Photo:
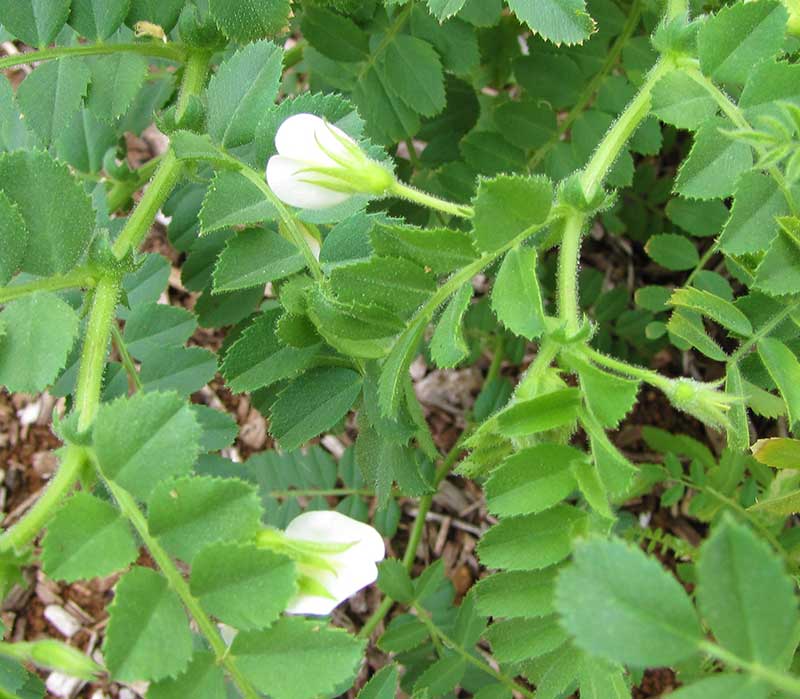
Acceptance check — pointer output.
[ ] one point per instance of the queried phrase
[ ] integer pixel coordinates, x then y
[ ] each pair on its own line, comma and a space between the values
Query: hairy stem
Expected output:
568, 259
125, 356
122, 190
417, 196
79, 277
194, 79
131, 512
23, 532
155, 49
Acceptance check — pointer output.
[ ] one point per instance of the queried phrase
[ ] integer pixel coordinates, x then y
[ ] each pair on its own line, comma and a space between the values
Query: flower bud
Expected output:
702, 400
336, 556
53, 655
318, 165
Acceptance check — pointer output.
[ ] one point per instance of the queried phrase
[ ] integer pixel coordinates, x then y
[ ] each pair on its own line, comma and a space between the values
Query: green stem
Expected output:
647, 375
614, 141
296, 233
25, 531
139, 222
594, 84
417, 196
122, 190
133, 514
415, 536
775, 678
95, 348
763, 331
568, 259
125, 356
445, 640
79, 277
529, 384
150, 48
707, 255
497, 359
194, 79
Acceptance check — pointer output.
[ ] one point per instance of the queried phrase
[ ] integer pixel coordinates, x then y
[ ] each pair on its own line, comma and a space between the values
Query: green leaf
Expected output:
507, 205
533, 541
246, 20
559, 21
203, 679
545, 412
405, 632
98, 19
142, 440
448, 346
697, 217
784, 368
13, 239
489, 153
717, 309
336, 36
244, 87
768, 85
382, 685
395, 284
514, 640
164, 13
155, 325
778, 452
394, 372
516, 297
255, 257
191, 513
532, 480
779, 271
443, 250
756, 206
39, 332
87, 538
681, 101
258, 358
394, 581
738, 37
218, 429
233, 200
243, 586
738, 431
36, 22
444, 9
313, 404
52, 94
723, 686
601, 680
413, 71
621, 605
527, 124
609, 397
517, 594
183, 370
689, 327
85, 141
56, 211
274, 659
441, 676
715, 162
116, 81
746, 597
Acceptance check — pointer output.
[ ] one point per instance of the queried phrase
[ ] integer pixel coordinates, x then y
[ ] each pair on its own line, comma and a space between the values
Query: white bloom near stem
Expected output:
342, 561
318, 165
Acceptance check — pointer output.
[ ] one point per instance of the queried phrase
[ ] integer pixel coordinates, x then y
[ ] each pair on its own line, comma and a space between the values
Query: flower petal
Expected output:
353, 573
285, 179
306, 137
331, 527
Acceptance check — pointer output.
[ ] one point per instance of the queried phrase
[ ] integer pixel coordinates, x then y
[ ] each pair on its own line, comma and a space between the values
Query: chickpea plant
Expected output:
338, 174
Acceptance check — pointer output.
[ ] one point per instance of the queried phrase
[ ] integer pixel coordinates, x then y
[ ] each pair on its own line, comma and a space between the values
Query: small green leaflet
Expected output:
680, 101
778, 273
448, 346
244, 87
246, 20
242, 585
756, 206
190, 513
145, 611
218, 428
559, 21
40, 330
609, 397
183, 370
739, 36
394, 581
274, 659
154, 325
87, 538
778, 452
52, 94
13, 239
746, 596
688, 326
724, 686
413, 69
441, 675
714, 163
515, 640
619, 604
383, 685
338, 37
517, 594
784, 368
516, 297
507, 206
116, 80
441, 249
717, 309
142, 440
164, 13
36, 22
98, 19
203, 679
233, 200
545, 412
444, 9
313, 404
255, 257
395, 368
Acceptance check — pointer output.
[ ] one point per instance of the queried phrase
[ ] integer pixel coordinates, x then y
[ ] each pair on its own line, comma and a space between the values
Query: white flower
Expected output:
318, 165
350, 551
